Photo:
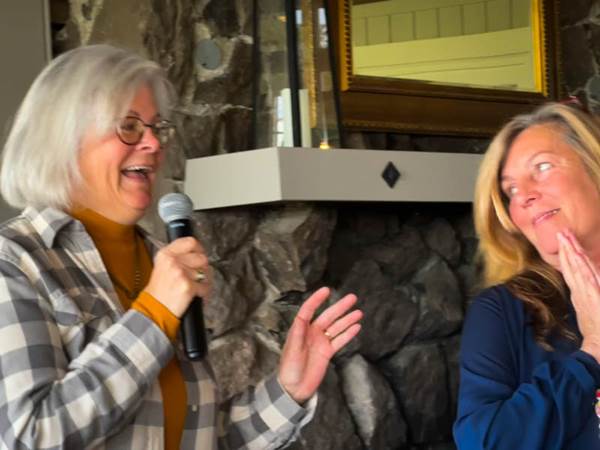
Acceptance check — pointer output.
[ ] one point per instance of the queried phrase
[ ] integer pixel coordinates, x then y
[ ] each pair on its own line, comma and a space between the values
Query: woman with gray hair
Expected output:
530, 351
90, 304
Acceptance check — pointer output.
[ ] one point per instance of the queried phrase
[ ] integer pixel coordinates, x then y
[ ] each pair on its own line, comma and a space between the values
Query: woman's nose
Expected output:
527, 194
149, 141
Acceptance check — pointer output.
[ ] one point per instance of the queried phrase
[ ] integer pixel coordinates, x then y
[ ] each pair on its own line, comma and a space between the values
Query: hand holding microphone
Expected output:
175, 280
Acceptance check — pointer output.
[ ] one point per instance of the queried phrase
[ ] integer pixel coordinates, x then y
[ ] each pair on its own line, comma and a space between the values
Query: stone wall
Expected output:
412, 265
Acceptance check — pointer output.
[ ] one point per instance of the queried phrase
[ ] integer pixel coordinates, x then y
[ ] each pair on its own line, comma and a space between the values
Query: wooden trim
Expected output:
376, 103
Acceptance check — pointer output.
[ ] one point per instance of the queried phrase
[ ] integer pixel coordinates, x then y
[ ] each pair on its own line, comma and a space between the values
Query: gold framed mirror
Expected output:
400, 66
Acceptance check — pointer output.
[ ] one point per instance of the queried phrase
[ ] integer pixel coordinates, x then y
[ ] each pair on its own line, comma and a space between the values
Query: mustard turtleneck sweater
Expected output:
123, 250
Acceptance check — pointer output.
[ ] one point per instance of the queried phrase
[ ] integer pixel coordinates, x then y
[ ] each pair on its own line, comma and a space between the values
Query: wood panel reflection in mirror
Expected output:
444, 66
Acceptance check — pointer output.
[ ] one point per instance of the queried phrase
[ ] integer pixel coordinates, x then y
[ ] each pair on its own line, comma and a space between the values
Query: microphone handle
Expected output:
193, 332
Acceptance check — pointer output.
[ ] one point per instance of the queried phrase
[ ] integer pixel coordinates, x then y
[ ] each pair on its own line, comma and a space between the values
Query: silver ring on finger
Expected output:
200, 276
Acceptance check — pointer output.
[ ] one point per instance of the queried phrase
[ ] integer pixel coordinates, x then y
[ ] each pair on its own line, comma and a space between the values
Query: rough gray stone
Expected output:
574, 11
399, 256
223, 17
417, 374
592, 93
169, 39
581, 6
439, 300
389, 313
342, 256
198, 130
205, 130
469, 278
238, 292
226, 231
593, 32
441, 238
332, 427
577, 56
447, 144
232, 82
451, 349
465, 230
348, 242
239, 359
464, 226
237, 129
175, 160
292, 245
469, 250
373, 405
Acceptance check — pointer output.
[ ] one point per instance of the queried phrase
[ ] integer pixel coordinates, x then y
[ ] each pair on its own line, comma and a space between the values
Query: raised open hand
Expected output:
310, 345
583, 279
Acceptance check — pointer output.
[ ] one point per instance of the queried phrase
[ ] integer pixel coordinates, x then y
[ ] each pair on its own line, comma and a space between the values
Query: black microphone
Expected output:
175, 210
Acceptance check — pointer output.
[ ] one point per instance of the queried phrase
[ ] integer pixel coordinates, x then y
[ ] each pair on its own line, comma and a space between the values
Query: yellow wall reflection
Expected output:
476, 43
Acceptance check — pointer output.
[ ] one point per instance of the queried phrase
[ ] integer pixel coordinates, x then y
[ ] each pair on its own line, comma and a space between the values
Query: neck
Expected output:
103, 227
129, 217
120, 251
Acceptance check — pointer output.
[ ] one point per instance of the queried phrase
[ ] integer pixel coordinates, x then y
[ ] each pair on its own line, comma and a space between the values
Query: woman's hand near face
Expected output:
173, 281
583, 279
310, 345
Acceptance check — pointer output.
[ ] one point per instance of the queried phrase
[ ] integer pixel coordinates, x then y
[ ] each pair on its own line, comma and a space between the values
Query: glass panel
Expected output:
272, 78
311, 89
317, 95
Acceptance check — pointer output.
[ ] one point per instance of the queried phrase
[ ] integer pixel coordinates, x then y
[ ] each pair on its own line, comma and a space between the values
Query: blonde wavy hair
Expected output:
507, 256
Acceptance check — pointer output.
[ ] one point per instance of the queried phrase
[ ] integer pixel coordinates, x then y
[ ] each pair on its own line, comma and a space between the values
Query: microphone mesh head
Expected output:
175, 206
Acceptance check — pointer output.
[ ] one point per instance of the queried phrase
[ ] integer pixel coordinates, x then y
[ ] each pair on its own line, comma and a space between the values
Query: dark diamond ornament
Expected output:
390, 174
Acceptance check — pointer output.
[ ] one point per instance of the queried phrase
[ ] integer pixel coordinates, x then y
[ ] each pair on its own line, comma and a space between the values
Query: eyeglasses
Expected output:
131, 129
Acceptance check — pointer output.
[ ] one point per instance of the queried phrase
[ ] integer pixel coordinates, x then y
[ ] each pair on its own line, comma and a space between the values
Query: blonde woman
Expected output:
530, 352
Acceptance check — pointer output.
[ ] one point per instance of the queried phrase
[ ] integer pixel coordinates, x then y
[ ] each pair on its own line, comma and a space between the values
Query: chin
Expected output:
139, 203
553, 260
138, 213
548, 250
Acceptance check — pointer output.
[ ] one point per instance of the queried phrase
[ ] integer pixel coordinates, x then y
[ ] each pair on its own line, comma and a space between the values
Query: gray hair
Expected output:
84, 89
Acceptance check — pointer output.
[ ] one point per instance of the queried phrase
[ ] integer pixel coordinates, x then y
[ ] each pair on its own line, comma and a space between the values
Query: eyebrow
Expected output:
133, 112
536, 154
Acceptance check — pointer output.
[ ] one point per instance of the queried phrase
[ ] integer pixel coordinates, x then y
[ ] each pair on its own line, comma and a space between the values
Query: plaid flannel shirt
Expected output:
77, 371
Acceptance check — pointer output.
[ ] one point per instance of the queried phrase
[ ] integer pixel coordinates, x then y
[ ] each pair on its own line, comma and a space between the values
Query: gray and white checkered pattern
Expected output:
77, 371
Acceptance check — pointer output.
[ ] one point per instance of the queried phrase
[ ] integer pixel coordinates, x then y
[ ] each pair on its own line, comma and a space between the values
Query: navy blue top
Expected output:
513, 394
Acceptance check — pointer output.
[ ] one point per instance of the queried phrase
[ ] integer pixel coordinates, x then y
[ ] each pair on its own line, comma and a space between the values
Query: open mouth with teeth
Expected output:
137, 172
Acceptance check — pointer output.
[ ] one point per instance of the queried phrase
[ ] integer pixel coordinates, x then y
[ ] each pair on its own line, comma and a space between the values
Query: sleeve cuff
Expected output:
158, 313
277, 408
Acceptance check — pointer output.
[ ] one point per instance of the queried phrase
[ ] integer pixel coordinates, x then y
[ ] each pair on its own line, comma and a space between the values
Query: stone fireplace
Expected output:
411, 264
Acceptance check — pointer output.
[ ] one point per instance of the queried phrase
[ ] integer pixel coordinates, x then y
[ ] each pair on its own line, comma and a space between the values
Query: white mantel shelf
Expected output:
303, 174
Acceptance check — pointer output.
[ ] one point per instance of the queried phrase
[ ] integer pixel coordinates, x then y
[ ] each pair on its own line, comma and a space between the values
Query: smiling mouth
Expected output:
544, 216
137, 172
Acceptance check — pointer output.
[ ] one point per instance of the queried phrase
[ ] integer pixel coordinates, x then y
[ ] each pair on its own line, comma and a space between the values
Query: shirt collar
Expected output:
49, 222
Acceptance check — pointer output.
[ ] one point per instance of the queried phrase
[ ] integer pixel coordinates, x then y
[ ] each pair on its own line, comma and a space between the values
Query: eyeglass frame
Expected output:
162, 124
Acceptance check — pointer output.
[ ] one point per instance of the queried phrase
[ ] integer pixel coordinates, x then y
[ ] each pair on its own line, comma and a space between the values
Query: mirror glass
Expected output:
473, 43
